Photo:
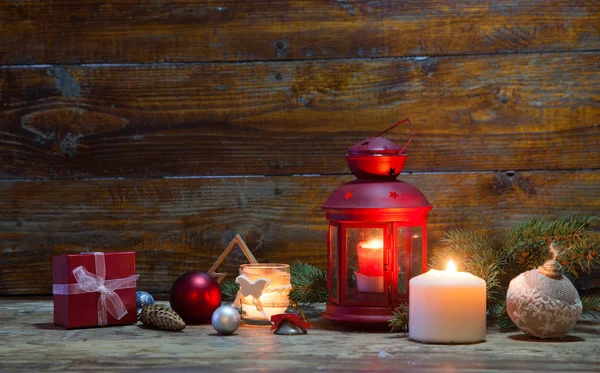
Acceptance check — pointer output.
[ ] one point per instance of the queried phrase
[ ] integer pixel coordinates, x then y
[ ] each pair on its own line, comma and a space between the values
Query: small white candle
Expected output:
447, 307
369, 277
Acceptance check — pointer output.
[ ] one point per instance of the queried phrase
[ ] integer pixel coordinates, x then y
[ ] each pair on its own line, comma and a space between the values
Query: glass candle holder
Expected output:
274, 298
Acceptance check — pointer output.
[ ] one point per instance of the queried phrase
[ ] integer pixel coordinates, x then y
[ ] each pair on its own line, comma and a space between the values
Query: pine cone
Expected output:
162, 317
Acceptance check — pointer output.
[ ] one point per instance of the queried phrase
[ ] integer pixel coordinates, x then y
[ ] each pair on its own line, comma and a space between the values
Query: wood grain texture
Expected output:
74, 31
589, 283
30, 342
176, 225
509, 112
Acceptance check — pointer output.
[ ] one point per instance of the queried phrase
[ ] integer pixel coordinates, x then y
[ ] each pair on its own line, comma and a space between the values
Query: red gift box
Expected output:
94, 289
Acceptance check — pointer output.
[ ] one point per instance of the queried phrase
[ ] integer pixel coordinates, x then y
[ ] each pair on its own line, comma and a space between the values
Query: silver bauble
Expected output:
226, 320
143, 299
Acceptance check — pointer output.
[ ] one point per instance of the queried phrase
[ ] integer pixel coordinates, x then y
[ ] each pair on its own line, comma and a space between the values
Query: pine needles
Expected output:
400, 321
591, 306
499, 313
229, 290
309, 284
528, 244
476, 253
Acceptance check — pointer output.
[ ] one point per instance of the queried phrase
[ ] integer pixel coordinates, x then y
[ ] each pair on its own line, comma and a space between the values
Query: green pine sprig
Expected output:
476, 253
528, 244
591, 307
229, 290
309, 284
499, 313
400, 321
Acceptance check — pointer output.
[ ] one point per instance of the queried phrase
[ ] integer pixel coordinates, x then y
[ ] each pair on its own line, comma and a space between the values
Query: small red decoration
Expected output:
393, 195
195, 296
348, 195
291, 317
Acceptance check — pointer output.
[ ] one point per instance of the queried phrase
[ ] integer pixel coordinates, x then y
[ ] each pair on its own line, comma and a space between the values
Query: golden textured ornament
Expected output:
543, 303
162, 317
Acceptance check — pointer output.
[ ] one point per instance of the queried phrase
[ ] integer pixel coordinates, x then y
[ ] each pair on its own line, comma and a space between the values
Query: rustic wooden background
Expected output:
166, 127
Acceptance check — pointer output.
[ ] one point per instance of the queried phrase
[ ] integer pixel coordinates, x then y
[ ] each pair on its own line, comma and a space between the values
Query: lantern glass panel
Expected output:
334, 264
403, 250
416, 250
365, 263
409, 244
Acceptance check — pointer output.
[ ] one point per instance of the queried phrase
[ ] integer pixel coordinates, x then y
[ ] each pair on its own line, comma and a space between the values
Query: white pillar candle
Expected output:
447, 307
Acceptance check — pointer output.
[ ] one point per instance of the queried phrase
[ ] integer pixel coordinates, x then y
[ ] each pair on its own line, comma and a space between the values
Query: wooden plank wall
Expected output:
166, 127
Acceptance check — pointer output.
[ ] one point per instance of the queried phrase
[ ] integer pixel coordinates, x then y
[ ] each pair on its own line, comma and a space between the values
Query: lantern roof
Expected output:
377, 194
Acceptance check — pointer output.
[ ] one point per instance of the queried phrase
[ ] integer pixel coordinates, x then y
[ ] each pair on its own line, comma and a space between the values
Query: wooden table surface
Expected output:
30, 342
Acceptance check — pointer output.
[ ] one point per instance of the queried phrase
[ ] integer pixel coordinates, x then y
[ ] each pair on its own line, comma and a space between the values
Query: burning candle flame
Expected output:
373, 244
451, 267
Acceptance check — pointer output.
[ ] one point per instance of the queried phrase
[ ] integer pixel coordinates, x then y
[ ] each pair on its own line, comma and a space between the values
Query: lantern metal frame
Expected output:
376, 200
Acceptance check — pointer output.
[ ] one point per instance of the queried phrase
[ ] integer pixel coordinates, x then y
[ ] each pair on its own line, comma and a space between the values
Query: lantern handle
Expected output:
412, 133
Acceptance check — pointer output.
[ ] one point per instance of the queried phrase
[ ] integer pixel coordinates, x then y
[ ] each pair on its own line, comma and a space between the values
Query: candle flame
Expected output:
451, 267
373, 243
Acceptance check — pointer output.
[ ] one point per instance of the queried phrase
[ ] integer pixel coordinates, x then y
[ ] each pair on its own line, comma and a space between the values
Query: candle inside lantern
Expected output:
264, 291
447, 307
369, 278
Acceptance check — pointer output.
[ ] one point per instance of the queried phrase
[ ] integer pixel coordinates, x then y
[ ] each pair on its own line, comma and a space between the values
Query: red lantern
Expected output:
377, 234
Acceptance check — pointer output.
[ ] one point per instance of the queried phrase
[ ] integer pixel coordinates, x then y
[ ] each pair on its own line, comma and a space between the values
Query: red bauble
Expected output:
195, 296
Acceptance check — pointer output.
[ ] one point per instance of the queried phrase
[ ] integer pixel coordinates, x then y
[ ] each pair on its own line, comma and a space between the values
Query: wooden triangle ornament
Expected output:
240, 242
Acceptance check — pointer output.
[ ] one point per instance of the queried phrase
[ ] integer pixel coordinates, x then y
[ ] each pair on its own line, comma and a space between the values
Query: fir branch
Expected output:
229, 290
580, 257
461, 245
591, 306
500, 314
570, 228
477, 253
528, 243
309, 284
490, 272
400, 321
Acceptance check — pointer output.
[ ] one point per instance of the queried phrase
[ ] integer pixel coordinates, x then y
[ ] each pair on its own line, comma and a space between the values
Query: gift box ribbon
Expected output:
88, 282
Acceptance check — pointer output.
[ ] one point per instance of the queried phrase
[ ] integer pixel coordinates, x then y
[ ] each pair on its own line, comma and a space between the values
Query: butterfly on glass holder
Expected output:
251, 288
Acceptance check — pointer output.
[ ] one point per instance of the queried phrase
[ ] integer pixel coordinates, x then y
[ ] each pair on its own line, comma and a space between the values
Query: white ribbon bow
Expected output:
88, 282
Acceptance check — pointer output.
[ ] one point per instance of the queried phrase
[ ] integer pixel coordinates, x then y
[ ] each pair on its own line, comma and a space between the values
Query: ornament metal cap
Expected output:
552, 269
288, 328
289, 324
